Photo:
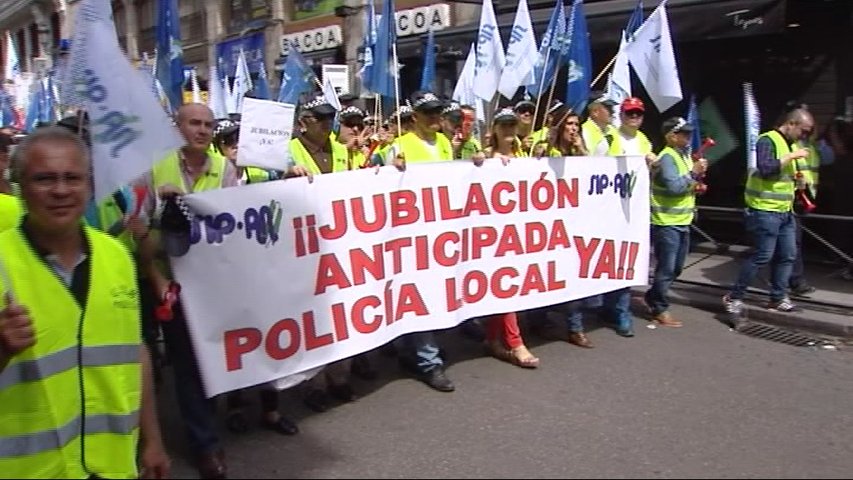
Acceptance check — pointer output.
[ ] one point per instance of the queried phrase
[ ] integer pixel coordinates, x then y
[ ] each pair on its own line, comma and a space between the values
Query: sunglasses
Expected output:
634, 113
353, 124
523, 110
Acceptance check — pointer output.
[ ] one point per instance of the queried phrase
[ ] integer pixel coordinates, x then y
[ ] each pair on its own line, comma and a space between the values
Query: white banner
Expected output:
290, 275
265, 130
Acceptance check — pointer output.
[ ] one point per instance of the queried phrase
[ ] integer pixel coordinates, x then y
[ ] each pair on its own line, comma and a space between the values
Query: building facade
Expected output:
327, 32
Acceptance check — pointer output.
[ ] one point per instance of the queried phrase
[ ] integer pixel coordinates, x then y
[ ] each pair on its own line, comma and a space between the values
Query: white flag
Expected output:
130, 131
753, 126
242, 81
653, 59
12, 68
216, 94
464, 90
521, 53
490, 54
619, 81
330, 93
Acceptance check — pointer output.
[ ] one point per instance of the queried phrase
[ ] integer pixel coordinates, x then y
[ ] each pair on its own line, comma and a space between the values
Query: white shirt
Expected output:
630, 145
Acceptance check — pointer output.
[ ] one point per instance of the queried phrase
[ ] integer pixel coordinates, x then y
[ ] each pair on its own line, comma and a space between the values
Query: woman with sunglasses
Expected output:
503, 337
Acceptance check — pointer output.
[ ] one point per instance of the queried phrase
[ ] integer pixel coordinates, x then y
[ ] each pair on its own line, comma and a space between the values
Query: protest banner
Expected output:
265, 130
285, 276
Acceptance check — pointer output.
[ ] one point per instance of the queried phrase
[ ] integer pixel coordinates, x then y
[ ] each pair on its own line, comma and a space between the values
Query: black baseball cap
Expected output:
676, 125
423, 101
319, 106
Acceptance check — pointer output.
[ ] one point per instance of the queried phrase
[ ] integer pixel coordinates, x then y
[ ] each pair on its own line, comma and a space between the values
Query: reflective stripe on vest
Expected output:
773, 194
58, 362
616, 147
416, 150
168, 171
39, 442
300, 156
71, 410
671, 209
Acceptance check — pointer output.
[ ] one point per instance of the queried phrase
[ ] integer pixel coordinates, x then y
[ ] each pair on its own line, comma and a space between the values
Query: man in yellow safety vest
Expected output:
76, 387
769, 215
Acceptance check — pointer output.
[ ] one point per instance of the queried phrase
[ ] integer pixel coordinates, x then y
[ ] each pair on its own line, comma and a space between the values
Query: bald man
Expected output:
769, 216
192, 168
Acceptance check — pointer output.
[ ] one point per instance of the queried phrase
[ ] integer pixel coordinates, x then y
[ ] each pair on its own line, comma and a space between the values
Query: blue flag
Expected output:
262, 86
693, 119
34, 109
170, 55
580, 60
296, 78
7, 113
634, 21
428, 73
368, 44
384, 72
48, 106
550, 49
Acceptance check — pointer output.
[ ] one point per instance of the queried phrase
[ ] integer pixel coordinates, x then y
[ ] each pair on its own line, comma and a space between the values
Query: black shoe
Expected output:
803, 290
316, 400
342, 392
362, 367
283, 425
437, 379
235, 422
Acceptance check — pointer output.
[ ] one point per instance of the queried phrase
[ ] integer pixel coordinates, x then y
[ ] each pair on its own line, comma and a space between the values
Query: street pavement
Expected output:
700, 401
708, 275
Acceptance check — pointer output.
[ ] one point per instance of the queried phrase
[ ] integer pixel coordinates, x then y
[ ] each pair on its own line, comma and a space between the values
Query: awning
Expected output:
689, 20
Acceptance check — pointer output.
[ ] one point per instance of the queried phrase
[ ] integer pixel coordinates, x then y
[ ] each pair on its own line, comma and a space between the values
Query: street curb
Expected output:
806, 320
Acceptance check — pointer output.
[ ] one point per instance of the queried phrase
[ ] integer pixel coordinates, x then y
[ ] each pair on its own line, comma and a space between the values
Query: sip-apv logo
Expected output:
259, 223
622, 184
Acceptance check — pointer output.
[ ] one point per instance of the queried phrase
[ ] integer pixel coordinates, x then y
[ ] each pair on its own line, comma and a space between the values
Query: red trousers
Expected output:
505, 327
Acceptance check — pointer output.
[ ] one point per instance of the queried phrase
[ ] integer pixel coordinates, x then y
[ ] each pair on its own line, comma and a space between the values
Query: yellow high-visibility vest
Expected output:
773, 194
670, 209
71, 402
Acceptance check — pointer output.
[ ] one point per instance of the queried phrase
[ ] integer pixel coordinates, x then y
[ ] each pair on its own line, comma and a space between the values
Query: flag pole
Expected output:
397, 88
539, 96
604, 70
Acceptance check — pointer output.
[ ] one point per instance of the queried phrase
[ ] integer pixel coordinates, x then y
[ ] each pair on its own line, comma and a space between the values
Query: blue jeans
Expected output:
422, 349
798, 268
671, 244
616, 305
198, 412
774, 238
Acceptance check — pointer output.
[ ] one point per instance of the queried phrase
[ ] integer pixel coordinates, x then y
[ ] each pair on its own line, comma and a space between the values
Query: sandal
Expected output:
519, 356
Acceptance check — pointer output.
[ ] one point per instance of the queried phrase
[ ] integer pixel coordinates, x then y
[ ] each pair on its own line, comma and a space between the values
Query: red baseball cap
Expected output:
633, 103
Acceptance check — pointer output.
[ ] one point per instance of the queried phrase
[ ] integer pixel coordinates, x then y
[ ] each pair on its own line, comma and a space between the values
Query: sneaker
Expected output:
734, 306
803, 290
785, 306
